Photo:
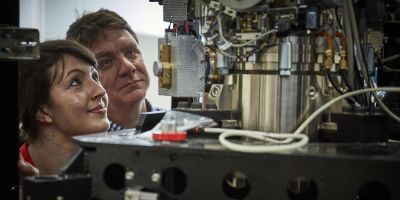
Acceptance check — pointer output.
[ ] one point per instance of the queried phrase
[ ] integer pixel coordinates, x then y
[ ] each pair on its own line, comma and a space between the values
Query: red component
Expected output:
171, 136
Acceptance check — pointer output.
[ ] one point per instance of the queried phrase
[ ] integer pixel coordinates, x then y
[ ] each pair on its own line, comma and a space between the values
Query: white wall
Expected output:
53, 17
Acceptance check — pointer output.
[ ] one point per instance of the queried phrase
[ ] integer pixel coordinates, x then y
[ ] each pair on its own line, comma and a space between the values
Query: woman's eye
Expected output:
76, 82
95, 77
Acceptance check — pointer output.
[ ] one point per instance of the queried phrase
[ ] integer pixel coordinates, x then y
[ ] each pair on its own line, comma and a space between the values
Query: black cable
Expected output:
261, 47
367, 79
384, 67
358, 84
208, 68
329, 76
347, 83
337, 19
349, 100
345, 80
360, 54
256, 50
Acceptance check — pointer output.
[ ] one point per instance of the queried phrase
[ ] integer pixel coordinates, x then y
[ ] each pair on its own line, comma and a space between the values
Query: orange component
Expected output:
342, 39
328, 39
170, 136
329, 50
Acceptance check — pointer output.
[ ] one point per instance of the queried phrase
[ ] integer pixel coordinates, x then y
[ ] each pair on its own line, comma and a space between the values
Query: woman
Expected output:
122, 69
60, 97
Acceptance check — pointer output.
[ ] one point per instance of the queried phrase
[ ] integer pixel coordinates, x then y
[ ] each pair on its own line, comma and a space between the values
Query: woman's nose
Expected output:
99, 91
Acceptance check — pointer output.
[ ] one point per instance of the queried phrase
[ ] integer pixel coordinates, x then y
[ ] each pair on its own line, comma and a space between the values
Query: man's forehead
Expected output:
105, 47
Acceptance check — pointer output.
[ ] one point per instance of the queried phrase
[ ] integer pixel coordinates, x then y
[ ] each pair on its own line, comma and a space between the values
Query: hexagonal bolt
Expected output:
129, 175
155, 177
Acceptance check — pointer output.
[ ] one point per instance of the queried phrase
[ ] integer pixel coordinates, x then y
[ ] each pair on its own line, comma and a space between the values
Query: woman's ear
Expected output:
43, 115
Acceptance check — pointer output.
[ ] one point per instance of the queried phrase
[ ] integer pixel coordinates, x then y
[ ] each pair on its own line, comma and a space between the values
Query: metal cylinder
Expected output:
275, 102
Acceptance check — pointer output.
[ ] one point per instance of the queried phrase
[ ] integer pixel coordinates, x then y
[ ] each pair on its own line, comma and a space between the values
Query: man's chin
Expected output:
134, 97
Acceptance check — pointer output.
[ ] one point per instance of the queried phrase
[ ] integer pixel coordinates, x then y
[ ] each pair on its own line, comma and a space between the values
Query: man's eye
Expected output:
132, 53
106, 63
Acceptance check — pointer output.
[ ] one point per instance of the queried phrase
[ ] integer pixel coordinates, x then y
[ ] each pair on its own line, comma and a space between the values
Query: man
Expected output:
122, 70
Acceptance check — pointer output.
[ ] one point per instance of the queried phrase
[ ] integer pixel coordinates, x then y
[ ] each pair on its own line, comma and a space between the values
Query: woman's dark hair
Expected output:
87, 28
37, 77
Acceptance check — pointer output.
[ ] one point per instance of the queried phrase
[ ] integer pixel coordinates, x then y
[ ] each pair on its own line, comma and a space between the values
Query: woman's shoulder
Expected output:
23, 150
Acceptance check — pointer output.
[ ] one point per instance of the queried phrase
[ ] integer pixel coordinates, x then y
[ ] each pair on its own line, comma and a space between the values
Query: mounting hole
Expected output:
173, 180
312, 92
236, 185
373, 190
114, 176
302, 188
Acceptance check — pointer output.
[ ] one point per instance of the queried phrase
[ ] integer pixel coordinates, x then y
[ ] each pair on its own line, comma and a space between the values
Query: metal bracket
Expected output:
19, 43
136, 194
285, 58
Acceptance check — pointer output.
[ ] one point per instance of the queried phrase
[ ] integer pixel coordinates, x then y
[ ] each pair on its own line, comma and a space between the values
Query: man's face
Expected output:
122, 70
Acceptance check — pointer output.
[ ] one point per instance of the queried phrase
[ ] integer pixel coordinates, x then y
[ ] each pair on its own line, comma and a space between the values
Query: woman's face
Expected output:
78, 102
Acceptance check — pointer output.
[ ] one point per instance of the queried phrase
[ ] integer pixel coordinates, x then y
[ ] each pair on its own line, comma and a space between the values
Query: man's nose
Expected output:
126, 66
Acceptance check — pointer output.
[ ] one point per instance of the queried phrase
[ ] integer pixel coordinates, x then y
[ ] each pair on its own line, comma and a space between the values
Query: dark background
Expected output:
9, 16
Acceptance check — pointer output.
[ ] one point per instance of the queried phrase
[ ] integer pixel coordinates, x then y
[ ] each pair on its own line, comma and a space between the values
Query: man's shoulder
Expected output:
157, 108
154, 108
114, 126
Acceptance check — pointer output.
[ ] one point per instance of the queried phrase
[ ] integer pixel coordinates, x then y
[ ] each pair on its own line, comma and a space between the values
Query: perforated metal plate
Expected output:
174, 10
188, 71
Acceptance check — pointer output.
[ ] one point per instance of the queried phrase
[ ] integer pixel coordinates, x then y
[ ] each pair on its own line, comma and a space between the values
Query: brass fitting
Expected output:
343, 60
328, 59
165, 53
164, 81
165, 78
